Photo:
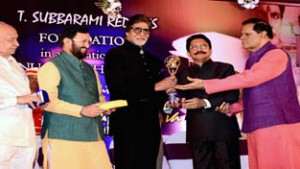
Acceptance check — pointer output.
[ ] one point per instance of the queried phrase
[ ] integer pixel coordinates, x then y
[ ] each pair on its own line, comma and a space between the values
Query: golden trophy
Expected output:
172, 63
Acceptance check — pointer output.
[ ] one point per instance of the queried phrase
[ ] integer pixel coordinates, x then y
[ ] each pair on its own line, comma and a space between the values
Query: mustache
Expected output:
200, 52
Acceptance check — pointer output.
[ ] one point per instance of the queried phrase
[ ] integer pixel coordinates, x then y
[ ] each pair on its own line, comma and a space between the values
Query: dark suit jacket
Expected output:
207, 124
132, 76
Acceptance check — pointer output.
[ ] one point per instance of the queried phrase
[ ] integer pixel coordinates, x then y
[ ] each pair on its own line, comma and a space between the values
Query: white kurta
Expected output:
16, 122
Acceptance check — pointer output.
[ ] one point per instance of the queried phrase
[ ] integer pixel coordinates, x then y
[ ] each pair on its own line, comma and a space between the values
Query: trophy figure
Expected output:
172, 63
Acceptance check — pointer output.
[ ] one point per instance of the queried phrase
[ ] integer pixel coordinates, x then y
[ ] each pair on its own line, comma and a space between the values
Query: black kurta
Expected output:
131, 75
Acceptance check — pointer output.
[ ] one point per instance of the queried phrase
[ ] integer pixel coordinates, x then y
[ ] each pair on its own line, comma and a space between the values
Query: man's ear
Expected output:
263, 34
67, 42
189, 55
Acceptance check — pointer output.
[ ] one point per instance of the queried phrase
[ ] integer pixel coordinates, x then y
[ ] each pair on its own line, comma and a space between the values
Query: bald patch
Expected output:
8, 40
6, 29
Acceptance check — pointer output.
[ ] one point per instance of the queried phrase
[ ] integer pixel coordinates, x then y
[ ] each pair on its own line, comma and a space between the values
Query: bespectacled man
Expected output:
134, 74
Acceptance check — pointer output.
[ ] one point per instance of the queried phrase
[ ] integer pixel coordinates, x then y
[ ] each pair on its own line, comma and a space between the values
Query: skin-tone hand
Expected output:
29, 99
194, 84
170, 90
223, 108
93, 110
194, 103
166, 83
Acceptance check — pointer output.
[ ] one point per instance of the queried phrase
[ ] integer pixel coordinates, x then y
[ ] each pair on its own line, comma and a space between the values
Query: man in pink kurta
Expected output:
271, 108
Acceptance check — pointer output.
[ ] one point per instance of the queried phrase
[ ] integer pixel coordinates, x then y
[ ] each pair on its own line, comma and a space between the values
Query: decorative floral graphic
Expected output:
111, 8
248, 4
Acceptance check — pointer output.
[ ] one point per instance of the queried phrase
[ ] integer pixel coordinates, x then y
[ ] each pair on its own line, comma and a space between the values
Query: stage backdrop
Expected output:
39, 22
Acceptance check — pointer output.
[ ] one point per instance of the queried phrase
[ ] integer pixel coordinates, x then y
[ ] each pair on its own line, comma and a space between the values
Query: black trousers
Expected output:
136, 151
216, 154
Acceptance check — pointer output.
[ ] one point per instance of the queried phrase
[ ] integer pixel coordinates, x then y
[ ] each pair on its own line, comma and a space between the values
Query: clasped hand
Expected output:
194, 103
30, 99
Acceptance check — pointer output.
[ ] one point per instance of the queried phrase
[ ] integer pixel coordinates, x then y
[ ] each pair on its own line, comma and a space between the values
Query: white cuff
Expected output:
208, 105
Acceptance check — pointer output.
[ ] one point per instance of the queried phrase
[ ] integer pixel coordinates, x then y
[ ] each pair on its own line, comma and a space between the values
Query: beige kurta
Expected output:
64, 154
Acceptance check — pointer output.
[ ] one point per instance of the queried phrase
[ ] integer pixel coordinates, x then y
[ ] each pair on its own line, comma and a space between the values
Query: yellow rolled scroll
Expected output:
113, 104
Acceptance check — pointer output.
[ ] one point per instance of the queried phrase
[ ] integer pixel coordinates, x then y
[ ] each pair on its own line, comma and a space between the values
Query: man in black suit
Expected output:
213, 136
134, 74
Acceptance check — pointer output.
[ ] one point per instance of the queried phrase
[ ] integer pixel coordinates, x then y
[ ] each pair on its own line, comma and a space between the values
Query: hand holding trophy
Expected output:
172, 63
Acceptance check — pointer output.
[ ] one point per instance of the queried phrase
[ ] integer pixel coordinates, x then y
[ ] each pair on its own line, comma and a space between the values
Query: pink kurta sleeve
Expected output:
236, 107
271, 65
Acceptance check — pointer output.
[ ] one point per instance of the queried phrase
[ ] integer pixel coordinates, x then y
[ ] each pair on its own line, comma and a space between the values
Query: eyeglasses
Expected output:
202, 46
138, 30
82, 41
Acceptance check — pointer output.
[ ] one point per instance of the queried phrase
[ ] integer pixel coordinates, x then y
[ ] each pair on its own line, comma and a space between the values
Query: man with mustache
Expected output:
213, 136
135, 75
72, 130
271, 112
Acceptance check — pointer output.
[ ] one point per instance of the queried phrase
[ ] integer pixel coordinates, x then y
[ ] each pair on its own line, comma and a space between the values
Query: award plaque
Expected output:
172, 63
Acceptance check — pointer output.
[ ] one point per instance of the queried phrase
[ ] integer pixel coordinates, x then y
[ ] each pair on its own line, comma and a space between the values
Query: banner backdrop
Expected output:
39, 22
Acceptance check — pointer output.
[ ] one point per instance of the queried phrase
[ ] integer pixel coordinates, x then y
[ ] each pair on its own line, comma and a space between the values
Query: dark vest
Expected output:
273, 102
78, 85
